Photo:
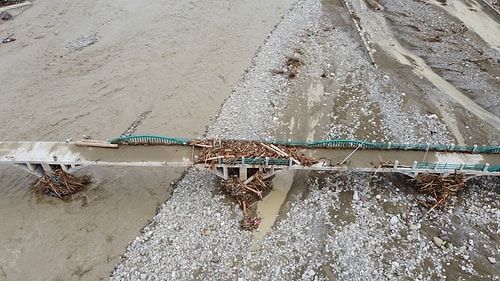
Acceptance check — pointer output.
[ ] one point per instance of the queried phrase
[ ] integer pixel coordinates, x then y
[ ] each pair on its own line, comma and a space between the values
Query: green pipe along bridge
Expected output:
330, 155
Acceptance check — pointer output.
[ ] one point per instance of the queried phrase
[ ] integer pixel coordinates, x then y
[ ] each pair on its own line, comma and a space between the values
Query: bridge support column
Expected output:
243, 173
31, 167
46, 168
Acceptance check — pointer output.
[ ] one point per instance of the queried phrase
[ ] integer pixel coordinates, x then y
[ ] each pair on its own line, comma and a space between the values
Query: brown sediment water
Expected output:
44, 238
270, 206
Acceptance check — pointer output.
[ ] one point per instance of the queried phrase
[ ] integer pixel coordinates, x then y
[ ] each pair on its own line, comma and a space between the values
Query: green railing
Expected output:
344, 144
147, 139
150, 139
403, 146
458, 167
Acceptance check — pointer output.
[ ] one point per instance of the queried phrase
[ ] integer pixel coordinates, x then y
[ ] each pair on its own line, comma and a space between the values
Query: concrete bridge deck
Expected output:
40, 157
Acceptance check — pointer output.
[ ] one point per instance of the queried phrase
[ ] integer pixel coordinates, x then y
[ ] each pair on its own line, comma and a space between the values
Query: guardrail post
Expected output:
396, 163
486, 166
290, 162
452, 147
436, 166
219, 159
414, 166
474, 148
461, 166
242, 160
389, 145
267, 161
427, 147
407, 145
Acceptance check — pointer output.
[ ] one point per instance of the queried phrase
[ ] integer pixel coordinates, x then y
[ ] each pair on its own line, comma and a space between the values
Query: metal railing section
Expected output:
149, 139
161, 140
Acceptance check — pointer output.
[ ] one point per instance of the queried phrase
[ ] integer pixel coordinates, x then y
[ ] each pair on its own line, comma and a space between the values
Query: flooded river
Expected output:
165, 68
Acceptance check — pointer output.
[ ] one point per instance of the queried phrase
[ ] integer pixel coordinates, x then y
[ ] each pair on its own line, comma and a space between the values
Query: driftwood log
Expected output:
213, 150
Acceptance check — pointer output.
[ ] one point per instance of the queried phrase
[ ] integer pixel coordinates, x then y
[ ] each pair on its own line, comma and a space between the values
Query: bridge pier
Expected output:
243, 171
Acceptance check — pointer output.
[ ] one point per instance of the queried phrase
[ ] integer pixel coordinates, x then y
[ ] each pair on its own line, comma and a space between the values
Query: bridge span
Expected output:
42, 157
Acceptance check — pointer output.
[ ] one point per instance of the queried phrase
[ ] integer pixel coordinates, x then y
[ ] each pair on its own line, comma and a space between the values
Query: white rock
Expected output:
492, 260
394, 265
394, 220
414, 227
438, 241
355, 196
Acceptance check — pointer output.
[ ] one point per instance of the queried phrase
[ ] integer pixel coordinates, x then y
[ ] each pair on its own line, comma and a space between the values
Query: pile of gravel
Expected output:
82, 42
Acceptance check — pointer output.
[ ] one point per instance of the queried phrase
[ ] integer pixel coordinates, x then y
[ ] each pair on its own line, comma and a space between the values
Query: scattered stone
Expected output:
438, 241
215, 259
355, 196
394, 220
492, 260
414, 227
4, 15
394, 265
82, 42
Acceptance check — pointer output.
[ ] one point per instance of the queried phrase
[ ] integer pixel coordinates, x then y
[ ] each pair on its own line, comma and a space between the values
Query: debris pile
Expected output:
248, 193
230, 151
439, 188
60, 184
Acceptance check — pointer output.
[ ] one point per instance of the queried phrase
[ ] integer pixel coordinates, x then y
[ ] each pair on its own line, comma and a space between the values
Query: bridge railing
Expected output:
147, 139
404, 146
161, 140
458, 167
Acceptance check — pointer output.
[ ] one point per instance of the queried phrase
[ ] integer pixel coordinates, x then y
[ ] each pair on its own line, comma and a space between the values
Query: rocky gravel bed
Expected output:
450, 48
251, 110
335, 226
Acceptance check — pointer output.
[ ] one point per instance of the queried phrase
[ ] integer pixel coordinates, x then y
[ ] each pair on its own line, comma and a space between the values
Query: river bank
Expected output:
329, 225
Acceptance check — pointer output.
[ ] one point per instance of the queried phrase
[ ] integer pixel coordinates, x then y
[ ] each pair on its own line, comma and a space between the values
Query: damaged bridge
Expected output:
245, 158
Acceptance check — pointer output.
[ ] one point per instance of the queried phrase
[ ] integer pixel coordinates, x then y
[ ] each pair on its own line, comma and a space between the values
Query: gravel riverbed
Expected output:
345, 226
